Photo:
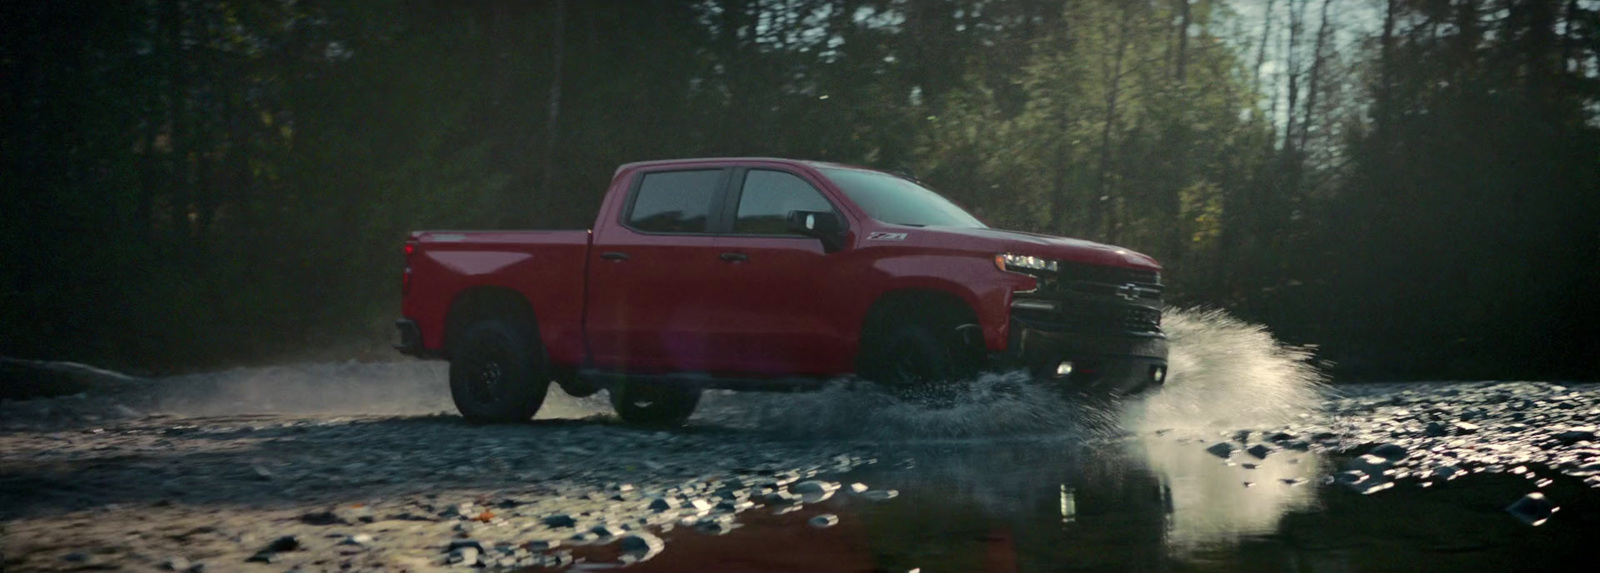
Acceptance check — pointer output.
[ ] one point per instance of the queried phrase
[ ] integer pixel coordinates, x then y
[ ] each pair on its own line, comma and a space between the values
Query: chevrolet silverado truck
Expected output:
770, 274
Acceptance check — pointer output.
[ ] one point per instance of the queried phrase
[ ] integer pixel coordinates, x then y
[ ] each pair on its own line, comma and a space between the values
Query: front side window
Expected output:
768, 198
898, 201
674, 201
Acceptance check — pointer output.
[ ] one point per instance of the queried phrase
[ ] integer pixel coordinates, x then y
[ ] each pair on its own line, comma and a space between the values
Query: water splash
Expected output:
1224, 371
1227, 373
992, 405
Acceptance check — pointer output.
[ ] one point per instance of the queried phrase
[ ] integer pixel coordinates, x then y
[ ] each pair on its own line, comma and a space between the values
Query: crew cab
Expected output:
764, 274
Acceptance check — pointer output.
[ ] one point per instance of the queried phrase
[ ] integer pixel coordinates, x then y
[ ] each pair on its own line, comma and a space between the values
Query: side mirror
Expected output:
825, 225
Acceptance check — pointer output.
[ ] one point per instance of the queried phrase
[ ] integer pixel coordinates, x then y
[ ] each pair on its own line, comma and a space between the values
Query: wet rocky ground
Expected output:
1245, 462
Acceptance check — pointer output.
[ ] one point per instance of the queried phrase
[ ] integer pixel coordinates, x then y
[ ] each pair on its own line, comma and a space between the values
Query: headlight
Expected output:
1023, 264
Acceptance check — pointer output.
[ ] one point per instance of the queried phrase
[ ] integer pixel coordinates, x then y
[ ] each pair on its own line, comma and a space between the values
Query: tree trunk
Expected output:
553, 118
1266, 34
1184, 21
1102, 200
1317, 61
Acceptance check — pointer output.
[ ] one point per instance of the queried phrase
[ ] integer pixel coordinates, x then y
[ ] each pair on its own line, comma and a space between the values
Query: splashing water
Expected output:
1227, 373
991, 405
1224, 371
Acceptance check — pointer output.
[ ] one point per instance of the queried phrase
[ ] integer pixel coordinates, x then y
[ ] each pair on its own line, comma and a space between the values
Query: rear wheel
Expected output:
498, 373
657, 404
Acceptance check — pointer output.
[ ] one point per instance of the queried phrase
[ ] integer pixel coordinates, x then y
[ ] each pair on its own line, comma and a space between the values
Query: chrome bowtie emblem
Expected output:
1128, 291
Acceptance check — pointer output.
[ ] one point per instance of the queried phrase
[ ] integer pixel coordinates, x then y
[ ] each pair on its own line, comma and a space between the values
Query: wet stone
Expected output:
662, 504
1533, 509
824, 521
559, 520
1260, 451
881, 494
813, 491
1222, 450
640, 546
1575, 435
284, 543
1390, 452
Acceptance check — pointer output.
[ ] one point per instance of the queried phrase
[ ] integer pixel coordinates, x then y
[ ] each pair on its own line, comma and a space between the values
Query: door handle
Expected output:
735, 257
614, 256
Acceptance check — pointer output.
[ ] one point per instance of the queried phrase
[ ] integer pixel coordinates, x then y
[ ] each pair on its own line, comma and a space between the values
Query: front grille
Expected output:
1078, 272
1094, 298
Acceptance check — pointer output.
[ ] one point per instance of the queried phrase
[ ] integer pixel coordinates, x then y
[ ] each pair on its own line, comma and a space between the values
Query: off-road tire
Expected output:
655, 404
498, 372
918, 361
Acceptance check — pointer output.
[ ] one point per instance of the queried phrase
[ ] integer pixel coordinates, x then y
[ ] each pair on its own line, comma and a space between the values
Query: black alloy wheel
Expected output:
498, 373
655, 403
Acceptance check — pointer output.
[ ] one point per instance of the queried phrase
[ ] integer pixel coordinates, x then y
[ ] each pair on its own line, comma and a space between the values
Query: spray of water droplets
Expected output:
1223, 371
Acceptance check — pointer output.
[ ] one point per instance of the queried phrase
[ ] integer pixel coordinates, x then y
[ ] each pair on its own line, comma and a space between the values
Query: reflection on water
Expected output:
1117, 504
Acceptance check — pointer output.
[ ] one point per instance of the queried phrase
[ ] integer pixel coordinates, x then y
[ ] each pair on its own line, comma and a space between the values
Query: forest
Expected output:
1411, 186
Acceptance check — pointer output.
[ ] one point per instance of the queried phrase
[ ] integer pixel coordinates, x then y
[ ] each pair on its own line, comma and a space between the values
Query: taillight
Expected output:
405, 277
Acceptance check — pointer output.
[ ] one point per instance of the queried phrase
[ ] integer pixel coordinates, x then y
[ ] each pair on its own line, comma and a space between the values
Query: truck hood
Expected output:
1058, 248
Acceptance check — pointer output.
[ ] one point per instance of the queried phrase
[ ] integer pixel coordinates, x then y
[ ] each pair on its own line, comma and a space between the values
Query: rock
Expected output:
1533, 509
700, 505
662, 504
559, 520
1260, 451
858, 487
542, 545
1390, 452
321, 518
285, 543
1280, 438
881, 494
1350, 478
264, 557
824, 521
360, 539
814, 491
456, 544
464, 557
1466, 428
1292, 481
782, 497
605, 530
1446, 472
1370, 464
1575, 435
1436, 430
175, 564
640, 546
1222, 450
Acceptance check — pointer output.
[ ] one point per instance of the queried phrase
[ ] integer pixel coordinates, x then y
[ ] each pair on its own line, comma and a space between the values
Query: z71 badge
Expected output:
882, 236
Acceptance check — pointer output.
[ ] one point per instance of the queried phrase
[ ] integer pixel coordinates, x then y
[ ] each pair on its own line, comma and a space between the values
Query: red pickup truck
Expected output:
762, 274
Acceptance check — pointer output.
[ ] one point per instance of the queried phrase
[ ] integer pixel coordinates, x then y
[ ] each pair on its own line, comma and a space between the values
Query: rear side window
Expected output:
767, 199
674, 201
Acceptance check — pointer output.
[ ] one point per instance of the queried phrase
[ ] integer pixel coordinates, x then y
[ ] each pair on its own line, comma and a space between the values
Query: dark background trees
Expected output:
1409, 184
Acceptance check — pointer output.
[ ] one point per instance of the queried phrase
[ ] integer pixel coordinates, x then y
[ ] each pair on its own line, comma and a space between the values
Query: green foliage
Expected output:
189, 182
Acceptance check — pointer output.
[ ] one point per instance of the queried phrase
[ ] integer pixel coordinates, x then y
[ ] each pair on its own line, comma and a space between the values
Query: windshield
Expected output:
898, 201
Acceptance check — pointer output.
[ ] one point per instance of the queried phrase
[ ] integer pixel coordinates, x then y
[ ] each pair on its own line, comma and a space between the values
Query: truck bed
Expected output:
546, 267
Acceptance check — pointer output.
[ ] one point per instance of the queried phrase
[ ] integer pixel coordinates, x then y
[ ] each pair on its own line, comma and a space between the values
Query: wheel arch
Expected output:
480, 302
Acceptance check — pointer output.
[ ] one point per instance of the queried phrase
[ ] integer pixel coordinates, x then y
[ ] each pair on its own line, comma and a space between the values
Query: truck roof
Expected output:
735, 160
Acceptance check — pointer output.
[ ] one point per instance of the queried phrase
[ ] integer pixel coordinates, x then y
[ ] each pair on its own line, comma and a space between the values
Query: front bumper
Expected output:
1107, 363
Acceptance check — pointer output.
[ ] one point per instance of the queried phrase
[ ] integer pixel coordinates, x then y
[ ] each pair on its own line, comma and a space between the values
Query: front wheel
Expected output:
918, 362
657, 404
498, 373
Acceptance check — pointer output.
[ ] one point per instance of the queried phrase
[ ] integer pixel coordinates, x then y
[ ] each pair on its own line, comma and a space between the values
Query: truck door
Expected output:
648, 309
778, 294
